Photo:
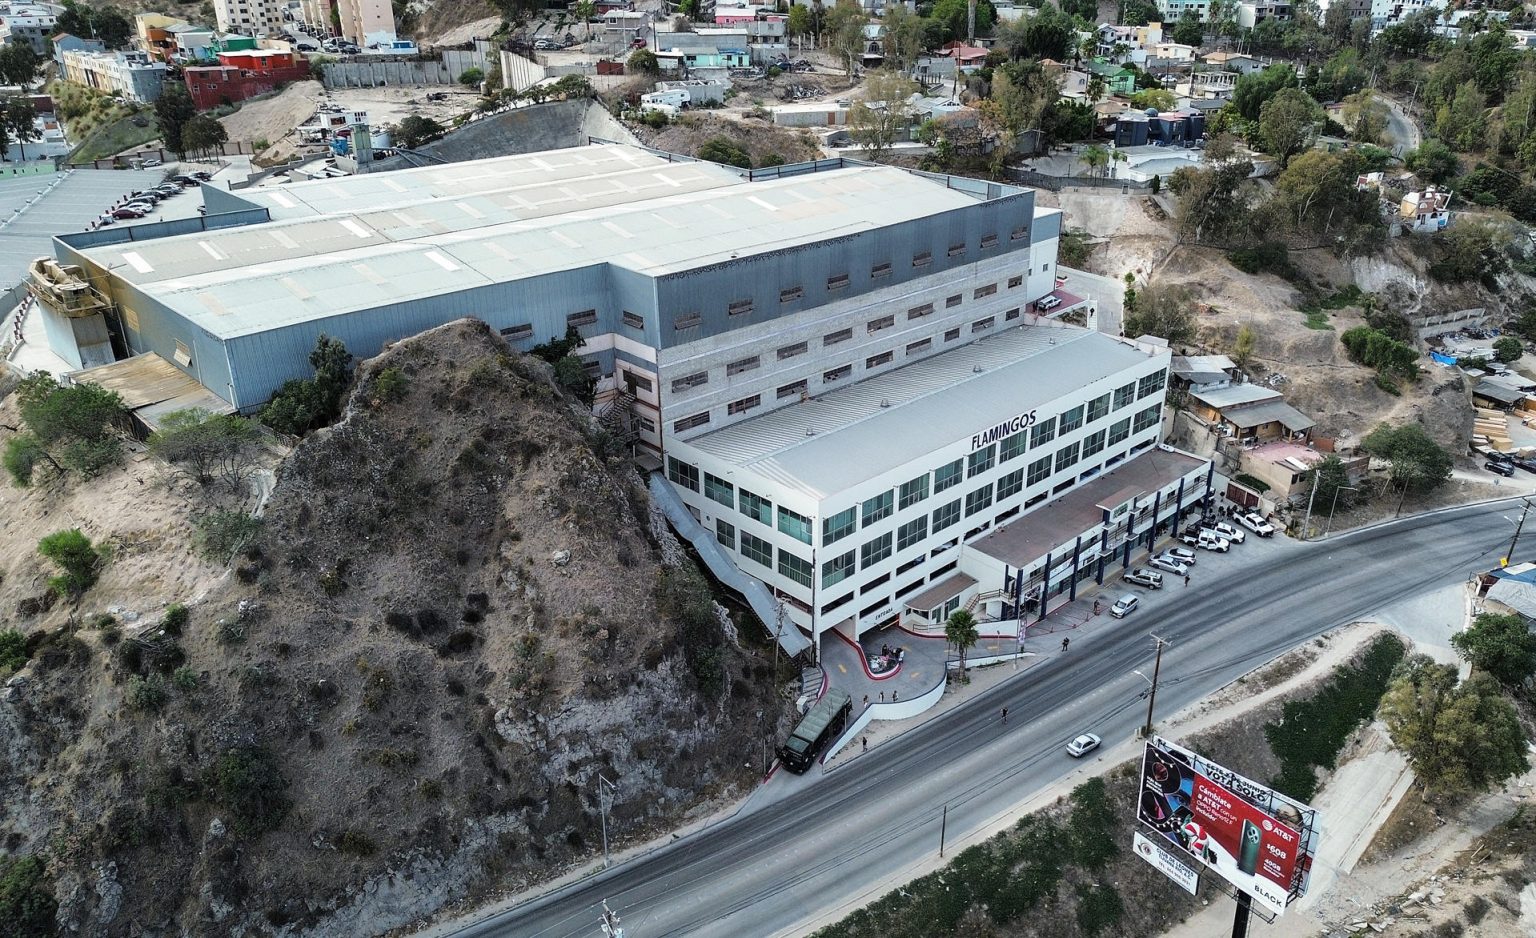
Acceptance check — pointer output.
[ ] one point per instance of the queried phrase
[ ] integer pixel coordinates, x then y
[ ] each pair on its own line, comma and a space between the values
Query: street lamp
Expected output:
1334, 504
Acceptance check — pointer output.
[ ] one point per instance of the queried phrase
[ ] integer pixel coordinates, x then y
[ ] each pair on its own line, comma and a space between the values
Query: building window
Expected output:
946, 516
519, 331
982, 325
790, 351
1013, 446
1098, 408
717, 489
837, 570
756, 507
923, 259
836, 374
955, 250
838, 282
791, 294
739, 308
879, 270
796, 525
950, 302
793, 389
981, 292
1093, 443
725, 533
745, 364
921, 345
947, 476
1039, 470
1071, 419
988, 241
1010, 484
832, 338
875, 361
912, 532
584, 318
1145, 419
884, 322
1018, 234
1015, 282
1124, 395
918, 312
980, 461
1011, 315
839, 526
690, 422
914, 491
633, 321
646, 424
755, 548
1119, 431
1043, 432
979, 500
951, 335
687, 321
1066, 456
875, 551
878, 508
1151, 384
743, 405
796, 568
695, 380
683, 474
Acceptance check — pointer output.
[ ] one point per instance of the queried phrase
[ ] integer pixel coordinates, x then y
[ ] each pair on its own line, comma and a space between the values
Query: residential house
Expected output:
1355, 9
1201, 372
1233, 62
67, 42
192, 43
1283, 466
130, 74
1251, 413
967, 57
242, 75
1509, 590
1119, 79
1208, 85
932, 70
150, 35
705, 48
1386, 13
1170, 54
1133, 40
1251, 14
367, 23
1425, 212
30, 26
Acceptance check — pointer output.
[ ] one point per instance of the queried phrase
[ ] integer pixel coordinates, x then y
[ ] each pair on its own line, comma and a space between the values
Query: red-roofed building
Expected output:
243, 74
966, 56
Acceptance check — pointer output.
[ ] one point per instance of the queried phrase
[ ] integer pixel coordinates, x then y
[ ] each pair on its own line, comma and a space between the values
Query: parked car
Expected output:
151, 163
545, 45
1499, 468
184, 180
306, 47
1047, 302
123, 214
1255, 522
1141, 576
202, 174
1164, 562
143, 208
168, 190
145, 195
1222, 529
1125, 605
1205, 539
1183, 555
1083, 745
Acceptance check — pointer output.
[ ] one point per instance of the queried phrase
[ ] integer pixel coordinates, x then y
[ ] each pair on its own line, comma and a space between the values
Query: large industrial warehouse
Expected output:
855, 376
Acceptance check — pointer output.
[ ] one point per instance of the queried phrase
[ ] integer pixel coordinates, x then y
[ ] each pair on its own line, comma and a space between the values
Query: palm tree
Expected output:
585, 10
1086, 49
1095, 156
961, 630
1096, 86
1119, 51
1117, 155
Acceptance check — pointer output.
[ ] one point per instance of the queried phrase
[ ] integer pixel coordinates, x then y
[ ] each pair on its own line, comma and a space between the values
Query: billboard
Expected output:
1167, 862
1255, 838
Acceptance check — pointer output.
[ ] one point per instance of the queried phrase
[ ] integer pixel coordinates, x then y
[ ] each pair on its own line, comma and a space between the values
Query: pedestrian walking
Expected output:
1005, 716
1095, 607
894, 696
882, 696
1065, 642
1186, 579
866, 700
866, 744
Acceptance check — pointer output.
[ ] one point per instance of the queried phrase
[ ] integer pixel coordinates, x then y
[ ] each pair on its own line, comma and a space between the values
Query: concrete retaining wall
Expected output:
373, 74
518, 72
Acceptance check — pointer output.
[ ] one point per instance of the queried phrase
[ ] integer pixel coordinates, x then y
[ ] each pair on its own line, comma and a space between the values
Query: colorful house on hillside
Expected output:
68, 42
241, 75
965, 56
1118, 78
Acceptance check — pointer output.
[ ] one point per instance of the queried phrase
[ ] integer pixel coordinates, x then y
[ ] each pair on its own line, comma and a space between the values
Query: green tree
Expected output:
1333, 488
1162, 311
1463, 121
1433, 161
903, 39
1472, 249
1095, 158
844, 29
1501, 645
799, 25
960, 630
881, 117
644, 62
27, 906
207, 445
1255, 88
173, 109
248, 782
13, 652
74, 554
1211, 205
1158, 98
19, 64
415, 130
1417, 461
1288, 123
585, 10
19, 117
1460, 738
1049, 34
1366, 116
303, 404
472, 77
203, 134
112, 27
71, 427
725, 151
952, 15
1189, 30
1242, 348
1507, 349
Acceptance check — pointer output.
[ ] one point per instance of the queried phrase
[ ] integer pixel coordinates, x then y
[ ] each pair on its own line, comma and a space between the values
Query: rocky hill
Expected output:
456, 615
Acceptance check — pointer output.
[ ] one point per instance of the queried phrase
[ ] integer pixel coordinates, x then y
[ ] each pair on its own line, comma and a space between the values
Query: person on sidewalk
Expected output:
866, 744
1186, 579
1005, 716
1065, 642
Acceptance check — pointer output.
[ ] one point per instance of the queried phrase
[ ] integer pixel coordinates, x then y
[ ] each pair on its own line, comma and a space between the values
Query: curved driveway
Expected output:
835, 845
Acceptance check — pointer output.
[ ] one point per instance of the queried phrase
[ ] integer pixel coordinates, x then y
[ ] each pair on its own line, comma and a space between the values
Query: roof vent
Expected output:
1053, 340
809, 431
884, 402
977, 369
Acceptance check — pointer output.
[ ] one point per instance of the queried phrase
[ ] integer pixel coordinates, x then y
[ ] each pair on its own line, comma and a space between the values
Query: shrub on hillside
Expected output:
75, 555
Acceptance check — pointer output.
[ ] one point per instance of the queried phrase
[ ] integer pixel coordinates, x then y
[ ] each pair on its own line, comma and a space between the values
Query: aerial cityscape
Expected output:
836, 468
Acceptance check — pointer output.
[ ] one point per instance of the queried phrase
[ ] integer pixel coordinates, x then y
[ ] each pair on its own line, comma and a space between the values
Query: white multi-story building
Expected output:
131, 74
32, 27
249, 17
1386, 13
367, 22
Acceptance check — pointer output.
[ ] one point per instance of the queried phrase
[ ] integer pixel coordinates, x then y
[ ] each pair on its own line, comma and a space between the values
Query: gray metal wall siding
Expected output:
636, 292
709, 291
159, 328
1046, 228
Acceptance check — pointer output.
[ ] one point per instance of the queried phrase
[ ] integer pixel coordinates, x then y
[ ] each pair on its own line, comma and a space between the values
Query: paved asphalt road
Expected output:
1401, 129
825, 848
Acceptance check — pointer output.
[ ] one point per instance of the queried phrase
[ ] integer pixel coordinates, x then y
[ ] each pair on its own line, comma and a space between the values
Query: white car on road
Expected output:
1255, 522
1125, 605
1183, 555
1083, 745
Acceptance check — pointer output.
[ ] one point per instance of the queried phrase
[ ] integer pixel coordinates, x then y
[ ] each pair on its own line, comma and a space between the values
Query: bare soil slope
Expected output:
404, 693
761, 140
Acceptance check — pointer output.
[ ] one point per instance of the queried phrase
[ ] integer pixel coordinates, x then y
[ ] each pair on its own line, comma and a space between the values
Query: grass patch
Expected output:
1312, 731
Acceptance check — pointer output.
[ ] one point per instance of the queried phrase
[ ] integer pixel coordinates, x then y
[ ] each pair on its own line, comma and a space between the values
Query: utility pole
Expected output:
610, 923
943, 828
1509, 556
778, 636
605, 790
1240, 920
1157, 666
1306, 526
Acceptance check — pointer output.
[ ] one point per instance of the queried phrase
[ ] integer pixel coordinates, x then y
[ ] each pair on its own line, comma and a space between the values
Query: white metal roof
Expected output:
1234, 395
390, 241
842, 438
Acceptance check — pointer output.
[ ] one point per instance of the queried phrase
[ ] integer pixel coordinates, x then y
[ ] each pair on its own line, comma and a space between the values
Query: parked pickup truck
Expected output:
1255, 522
1222, 529
1206, 540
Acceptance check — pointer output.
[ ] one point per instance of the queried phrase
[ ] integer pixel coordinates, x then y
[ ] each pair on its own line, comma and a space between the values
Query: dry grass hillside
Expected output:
759, 139
398, 697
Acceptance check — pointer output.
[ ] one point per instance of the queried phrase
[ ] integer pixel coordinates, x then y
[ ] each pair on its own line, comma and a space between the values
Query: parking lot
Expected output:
34, 208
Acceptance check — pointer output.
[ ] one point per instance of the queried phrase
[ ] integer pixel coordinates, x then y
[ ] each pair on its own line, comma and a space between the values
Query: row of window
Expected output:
761, 552
830, 376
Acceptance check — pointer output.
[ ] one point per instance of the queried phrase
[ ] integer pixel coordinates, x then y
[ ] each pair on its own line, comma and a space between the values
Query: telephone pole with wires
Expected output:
610, 923
1509, 555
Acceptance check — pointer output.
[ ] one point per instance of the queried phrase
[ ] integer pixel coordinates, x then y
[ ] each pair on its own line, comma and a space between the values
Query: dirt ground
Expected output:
273, 119
760, 140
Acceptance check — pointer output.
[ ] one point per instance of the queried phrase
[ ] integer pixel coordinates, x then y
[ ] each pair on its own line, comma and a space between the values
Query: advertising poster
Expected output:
1154, 852
1256, 839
